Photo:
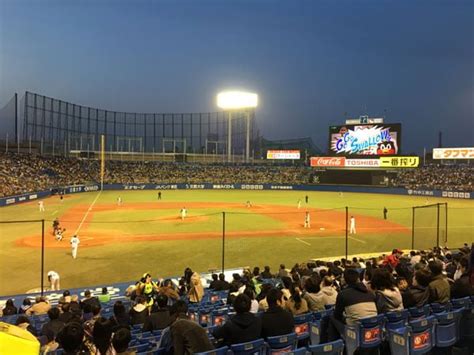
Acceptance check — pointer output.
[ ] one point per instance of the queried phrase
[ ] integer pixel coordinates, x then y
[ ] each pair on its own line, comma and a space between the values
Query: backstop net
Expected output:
430, 226
57, 125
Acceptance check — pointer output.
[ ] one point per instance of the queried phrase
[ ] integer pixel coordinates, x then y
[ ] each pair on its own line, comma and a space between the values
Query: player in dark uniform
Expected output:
159, 195
385, 211
306, 198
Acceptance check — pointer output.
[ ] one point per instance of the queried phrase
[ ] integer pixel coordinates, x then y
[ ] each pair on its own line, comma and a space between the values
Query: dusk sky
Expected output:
310, 61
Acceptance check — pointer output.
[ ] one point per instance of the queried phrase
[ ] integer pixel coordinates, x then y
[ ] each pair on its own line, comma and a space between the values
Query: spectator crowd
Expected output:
261, 303
21, 173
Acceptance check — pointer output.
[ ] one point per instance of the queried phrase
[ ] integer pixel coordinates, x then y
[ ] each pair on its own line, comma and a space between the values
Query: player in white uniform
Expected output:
353, 226
74, 245
248, 204
183, 213
41, 206
307, 220
119, 201
299, 204
53, 278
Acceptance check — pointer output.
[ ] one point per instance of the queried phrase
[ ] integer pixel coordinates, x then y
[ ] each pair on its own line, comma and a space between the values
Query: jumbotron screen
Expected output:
365, 139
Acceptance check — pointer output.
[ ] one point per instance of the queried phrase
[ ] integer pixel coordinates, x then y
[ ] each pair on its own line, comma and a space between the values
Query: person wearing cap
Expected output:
393, 259
53, 278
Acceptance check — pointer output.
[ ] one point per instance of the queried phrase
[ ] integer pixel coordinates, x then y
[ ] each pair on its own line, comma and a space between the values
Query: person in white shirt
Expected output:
183, 212
74, 245
41, 206
353, 226
53, 278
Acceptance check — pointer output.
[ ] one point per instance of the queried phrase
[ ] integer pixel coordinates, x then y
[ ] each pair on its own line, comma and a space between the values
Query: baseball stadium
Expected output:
161, 193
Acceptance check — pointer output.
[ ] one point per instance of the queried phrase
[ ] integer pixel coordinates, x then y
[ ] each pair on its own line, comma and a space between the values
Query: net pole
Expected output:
347, 235
223, 240
42, 257
446, 221
437, 225
102, 161
413, 227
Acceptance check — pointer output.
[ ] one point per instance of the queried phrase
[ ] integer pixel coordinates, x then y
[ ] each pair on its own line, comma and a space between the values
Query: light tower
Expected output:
232, 101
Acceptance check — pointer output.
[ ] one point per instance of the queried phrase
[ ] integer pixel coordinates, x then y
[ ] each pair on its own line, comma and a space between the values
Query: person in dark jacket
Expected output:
352, 303
89, 299
439, 289
139, 312
183, 336
160, 315
242, 327
120, 319
54, 324
221, 284
266, 274
276, 320
417, 294
10, 308
214, 282
462, 286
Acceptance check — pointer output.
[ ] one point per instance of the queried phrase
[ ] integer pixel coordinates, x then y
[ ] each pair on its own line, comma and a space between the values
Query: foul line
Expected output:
302, 241
358, 240
87, 213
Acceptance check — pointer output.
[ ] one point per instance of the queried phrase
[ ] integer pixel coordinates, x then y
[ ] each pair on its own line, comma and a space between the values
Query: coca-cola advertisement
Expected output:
365, 140
328, 162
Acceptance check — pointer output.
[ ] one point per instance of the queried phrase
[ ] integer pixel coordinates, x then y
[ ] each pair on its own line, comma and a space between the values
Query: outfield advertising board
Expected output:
283, 154
453, 153
381, 162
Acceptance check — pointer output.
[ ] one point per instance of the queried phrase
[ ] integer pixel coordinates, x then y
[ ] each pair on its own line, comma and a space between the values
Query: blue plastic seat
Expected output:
366, 333
416, 338
256, 347
422, 312
220, 351
141, 347
331, 348
447, 328
302, 326
282, 343
219, 317
396, 319
440, 308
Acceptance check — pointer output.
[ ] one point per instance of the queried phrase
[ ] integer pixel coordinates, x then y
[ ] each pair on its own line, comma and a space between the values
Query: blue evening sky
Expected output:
310, 61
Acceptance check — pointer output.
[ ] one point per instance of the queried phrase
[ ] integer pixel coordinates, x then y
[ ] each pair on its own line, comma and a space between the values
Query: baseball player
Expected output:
74, 245
385, 212
59, 234
41, 206
119, 201
159, 195
307, 220
248, 204
353, 226
306, 198
299, 204
53, 278
183, 213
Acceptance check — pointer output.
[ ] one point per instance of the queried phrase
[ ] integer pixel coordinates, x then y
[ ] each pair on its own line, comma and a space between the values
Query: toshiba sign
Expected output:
361, 163
328, 161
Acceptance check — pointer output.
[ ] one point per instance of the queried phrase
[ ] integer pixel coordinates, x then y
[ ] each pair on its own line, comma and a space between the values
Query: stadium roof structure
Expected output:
305, 144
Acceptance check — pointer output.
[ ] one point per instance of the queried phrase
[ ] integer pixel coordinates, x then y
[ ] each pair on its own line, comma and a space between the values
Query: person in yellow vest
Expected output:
147, 287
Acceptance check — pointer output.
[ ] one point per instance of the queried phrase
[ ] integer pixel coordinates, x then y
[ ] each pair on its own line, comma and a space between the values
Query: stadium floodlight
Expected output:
237, 100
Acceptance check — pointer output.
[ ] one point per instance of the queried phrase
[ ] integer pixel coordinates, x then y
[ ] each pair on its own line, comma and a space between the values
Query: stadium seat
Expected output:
332, 348
366, 333
302, 326
396, 319
416, 338
416, 313
220, 351
219, 317
447, 328
440, 308
282, 343
319, 327
256, 347
140, 347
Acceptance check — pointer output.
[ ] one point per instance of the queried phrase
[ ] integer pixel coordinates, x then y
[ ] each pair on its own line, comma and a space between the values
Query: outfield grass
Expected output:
131, 254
